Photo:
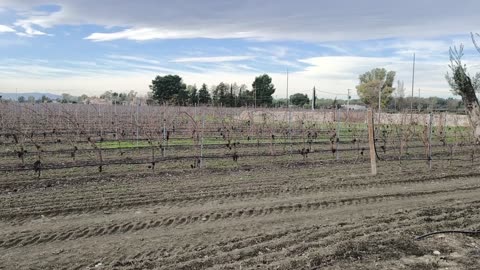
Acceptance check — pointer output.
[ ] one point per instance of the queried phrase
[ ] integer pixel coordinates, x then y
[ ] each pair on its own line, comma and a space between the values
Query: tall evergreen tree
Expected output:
220, 94
193, 94
263, 90
204, 95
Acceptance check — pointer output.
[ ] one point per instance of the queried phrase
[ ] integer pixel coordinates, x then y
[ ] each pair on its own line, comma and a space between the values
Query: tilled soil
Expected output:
303, 216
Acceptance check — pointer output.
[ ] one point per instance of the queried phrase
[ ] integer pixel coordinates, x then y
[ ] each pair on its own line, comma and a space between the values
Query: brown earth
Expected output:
302, 215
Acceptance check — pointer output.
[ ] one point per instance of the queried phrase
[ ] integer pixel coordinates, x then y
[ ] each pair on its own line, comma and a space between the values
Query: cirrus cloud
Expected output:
310, 20
212, 59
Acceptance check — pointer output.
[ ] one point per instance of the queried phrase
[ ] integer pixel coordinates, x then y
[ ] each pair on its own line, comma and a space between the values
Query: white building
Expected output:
354, 107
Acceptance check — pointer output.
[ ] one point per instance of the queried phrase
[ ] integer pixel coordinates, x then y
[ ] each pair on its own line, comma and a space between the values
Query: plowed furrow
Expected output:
227, 214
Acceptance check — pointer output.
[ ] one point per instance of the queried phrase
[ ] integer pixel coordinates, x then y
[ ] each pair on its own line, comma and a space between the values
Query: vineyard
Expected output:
158, 187
52, 137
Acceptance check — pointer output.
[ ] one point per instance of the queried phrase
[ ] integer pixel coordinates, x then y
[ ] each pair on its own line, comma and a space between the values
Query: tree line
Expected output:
171, 89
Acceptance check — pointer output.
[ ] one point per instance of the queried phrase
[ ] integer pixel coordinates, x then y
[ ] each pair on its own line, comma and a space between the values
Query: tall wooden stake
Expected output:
430, 128
337, 133
371, 142
164, 137
201, 141
136, 121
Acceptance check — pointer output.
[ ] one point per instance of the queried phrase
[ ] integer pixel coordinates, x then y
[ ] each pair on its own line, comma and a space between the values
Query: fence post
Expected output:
201, 141
371, 142
337, 139
136, 122
430, 128
290, 130
164, 138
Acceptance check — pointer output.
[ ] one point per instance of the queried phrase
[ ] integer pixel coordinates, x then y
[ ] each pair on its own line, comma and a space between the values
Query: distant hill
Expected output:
36, 95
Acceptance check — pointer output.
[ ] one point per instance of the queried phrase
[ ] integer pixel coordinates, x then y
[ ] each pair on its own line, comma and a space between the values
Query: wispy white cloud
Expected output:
337, 73
6, 29
36, 69
336, 48
132, 34
276, 55
334, 74
29, 31
312, 20
121, 65
142, 34
426, 48
135, 59
277, 51
248, 67
343, 66
213, 59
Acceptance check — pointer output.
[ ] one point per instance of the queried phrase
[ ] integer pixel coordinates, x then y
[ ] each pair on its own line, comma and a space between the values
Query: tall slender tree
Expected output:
203, 95
220, 94
193, 94
462, 84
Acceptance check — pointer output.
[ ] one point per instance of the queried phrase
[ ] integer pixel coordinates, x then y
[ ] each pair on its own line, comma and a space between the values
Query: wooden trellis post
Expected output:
337, 133
430, 128
371, 142
164, 138
201, 142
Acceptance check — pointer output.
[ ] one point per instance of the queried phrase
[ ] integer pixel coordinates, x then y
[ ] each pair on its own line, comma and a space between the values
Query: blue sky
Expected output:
92, 46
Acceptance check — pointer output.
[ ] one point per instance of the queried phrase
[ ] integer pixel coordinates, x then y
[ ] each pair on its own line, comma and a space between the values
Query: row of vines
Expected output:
39, 137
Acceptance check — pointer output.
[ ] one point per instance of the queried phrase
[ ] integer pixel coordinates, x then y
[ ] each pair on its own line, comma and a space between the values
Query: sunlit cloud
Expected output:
6, 29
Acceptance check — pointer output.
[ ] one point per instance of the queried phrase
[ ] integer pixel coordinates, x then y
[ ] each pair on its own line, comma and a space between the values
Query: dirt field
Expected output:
290, 215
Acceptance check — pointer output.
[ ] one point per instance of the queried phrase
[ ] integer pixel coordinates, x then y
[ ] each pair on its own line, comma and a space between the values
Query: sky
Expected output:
88, 47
